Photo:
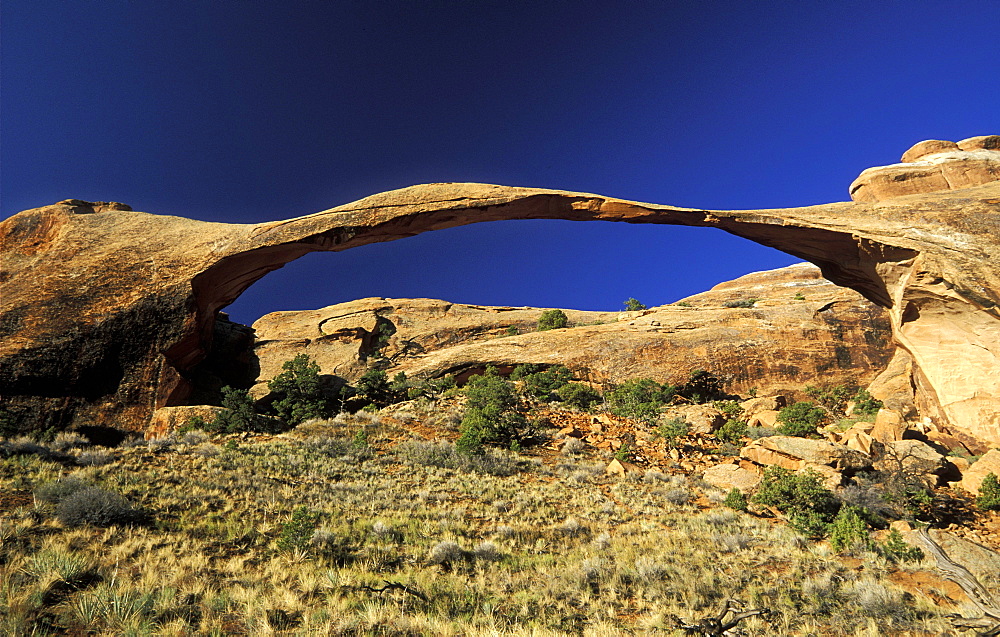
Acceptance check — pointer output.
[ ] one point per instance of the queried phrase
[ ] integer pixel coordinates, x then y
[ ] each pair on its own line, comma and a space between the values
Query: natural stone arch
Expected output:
105, 311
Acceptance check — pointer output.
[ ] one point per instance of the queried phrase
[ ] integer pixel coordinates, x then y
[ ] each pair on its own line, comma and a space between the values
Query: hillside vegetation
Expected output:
378, 523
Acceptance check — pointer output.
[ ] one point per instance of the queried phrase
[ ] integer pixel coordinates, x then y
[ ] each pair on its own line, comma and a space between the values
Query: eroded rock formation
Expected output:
801, 330
106, 313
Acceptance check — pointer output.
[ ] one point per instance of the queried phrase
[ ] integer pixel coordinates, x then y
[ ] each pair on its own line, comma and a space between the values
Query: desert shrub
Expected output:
53, 492
66, 440
542, 383
989, 493
741, 303
865, 406
445, 455
240, 414
849, 530
299, 391
95, 458
376, 388
297, 533
735, 500
702, 387
732, 432
835, 400
96, 507
579, 395
491, 415
431, 388
895, 549
639, 398
800, 419
632, 305
446, 554
809, 506
672, 430
552, 319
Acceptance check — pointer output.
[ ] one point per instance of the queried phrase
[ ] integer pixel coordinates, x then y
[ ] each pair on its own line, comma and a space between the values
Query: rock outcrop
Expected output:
802, 330
106, 314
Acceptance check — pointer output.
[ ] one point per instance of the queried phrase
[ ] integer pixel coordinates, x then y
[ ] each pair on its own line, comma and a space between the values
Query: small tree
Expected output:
552, 319
374, 386
989, 493
579, 395
240, 415
491, 415
296, 533
300, 395
672, 430
809, 506
849, 530
800, 419
639, 398
632, 305
735, 500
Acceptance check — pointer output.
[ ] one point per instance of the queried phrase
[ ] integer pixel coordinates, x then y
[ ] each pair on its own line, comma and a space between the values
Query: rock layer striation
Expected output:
106, 314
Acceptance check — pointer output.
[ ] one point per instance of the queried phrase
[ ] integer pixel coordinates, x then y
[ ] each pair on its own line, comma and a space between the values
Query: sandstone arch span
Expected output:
105, 312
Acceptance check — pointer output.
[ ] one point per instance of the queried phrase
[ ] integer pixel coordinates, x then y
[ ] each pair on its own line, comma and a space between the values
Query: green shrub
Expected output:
299, 391
491, 415
849, 530
702, 387
672, 430
579, 395
53, 492
297, 532
240, 415
989, 493
800, 419
895, 549
374, 387
865, 406
735, 500
732, 432
741, 303
800, 496
639, 398
542, 384
632, 305
552, 319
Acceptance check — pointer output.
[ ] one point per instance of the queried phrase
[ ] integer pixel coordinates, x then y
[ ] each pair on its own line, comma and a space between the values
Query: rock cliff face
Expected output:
106, 313
801, 330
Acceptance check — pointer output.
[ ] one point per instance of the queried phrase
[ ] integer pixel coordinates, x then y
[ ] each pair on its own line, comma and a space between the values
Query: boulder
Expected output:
913, 457
973, 476
166, 420
859, 441
763, 403
888, 427
792, 452
763, 419
701, 419
928, 147
732, 476
130, 329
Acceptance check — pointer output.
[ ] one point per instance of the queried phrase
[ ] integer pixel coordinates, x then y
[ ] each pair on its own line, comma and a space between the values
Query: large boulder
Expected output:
972, 477
792, 452
107, 314
732, 476
913, 458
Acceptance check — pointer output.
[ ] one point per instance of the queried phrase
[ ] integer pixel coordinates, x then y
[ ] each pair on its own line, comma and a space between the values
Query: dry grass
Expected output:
405, 548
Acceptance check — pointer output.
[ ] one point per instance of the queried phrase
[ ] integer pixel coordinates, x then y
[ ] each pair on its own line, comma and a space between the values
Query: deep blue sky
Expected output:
246, 111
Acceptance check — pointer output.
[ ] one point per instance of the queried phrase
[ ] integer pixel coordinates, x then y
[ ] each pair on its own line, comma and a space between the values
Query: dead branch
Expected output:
393, 586
717, 626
